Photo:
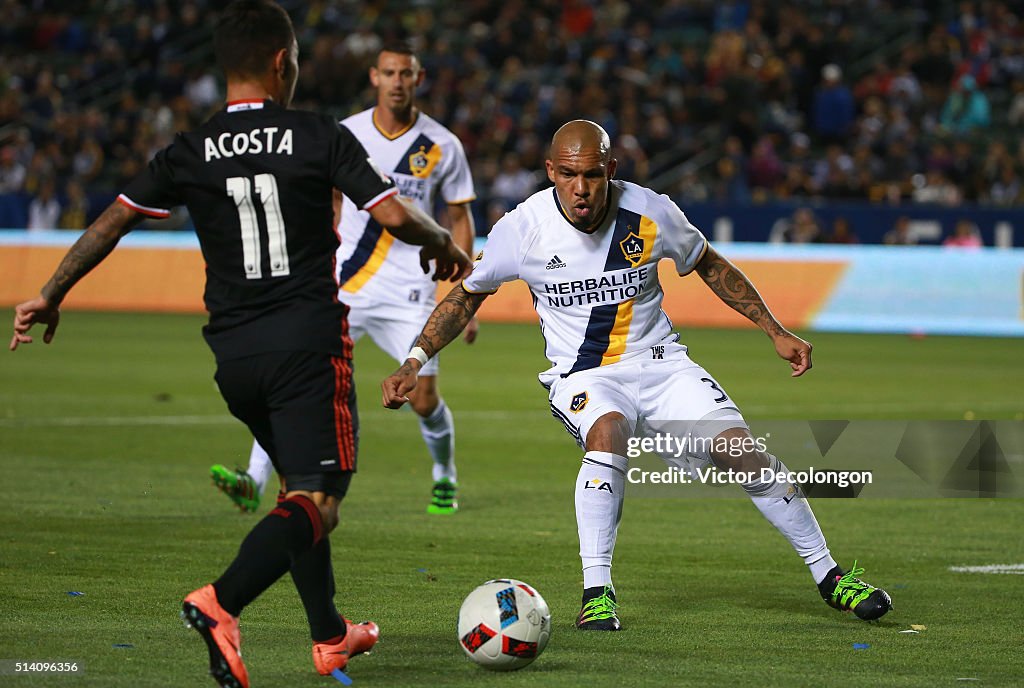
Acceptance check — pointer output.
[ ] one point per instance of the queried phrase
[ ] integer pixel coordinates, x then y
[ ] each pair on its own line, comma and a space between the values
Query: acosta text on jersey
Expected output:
228, 145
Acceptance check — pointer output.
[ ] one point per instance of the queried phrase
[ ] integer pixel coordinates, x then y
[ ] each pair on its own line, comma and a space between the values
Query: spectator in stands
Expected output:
965, 235
900, 234
935, 188
87, 161
765, 170
513, 182
44, 210
691, 189
732, 184
12, 172
803, 228
1006, 191
842, 232
75, 214
966, 109
833, 106
1015, 116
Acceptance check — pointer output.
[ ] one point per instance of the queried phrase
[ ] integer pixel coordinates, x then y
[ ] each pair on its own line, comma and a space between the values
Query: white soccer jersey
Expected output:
597, 294
375, 269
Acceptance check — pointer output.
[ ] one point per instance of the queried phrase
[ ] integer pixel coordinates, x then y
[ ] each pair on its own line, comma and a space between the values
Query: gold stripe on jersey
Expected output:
648, 232
461, 201
376, 259
392, 137
619, 334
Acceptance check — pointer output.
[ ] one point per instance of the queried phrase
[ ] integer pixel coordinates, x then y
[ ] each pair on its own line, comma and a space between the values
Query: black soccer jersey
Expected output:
257, 179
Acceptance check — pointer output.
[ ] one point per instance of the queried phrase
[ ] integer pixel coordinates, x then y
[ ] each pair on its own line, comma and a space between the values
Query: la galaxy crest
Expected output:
579, 402
418, 161
633, 247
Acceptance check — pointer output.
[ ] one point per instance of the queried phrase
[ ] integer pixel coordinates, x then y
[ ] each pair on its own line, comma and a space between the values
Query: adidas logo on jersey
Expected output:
554, 263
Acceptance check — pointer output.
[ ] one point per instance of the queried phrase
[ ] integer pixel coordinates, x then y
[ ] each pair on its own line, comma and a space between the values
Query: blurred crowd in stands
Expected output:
736, 101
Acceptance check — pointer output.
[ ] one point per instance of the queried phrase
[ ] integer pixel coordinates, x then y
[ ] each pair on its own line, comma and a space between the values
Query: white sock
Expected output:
260, 466
785, 508
438, 430
600, 488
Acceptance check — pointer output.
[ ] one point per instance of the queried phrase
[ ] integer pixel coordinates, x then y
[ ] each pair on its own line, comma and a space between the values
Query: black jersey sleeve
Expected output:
153, 191
354, 173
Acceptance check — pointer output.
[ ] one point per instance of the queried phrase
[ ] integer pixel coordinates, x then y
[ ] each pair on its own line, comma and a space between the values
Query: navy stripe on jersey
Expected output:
421, 142
595, 341
626, 221
364, 249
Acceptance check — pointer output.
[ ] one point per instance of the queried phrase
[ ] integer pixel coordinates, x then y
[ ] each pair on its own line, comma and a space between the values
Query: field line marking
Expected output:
1013, 569
752, 411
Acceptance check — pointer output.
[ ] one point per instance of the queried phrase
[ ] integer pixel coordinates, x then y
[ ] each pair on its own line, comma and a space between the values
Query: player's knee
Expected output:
736, 449
609, 434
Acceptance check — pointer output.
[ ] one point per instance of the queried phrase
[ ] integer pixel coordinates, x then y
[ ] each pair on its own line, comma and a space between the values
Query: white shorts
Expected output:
672, 395
394, 334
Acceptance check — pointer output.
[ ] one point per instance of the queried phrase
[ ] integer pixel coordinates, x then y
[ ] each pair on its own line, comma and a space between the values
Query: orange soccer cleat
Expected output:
219, 629
359, 638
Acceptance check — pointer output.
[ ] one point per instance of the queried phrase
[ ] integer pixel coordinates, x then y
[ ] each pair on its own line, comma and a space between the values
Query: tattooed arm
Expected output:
735, 290
446, 322
89, 251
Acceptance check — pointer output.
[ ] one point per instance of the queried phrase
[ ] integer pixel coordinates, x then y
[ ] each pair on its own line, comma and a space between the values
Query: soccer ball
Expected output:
504, 625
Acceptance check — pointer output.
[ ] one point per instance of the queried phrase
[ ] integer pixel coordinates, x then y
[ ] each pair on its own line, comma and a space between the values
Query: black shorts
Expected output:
301, 407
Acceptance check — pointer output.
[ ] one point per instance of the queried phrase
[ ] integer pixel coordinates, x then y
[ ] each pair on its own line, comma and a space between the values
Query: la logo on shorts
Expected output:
579, 402
632, 248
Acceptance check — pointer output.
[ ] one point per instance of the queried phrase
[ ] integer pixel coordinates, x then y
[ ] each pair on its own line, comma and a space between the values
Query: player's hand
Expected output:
27, 314
794, 350
397, 386
450, 262
472, 329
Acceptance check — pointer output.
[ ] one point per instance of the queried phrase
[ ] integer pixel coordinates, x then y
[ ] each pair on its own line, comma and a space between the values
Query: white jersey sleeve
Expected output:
457, 184
500, 259
683, 242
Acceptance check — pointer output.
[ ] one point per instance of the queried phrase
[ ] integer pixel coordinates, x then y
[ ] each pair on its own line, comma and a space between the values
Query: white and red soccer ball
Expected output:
504, 625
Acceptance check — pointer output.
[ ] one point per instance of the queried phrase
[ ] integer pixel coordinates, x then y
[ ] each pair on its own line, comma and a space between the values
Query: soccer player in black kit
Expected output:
258, 181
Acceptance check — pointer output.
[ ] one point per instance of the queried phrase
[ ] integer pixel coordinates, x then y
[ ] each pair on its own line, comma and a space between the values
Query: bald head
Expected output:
581, 166
578, 136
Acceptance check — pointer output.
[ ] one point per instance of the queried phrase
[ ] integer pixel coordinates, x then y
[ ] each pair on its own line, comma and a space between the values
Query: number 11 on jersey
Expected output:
240, 189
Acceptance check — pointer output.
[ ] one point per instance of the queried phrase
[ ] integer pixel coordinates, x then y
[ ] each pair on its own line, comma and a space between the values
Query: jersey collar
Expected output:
400, 132
247, 104
597, 225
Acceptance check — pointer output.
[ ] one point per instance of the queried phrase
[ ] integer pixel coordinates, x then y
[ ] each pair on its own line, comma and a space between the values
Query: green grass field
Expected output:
106, 437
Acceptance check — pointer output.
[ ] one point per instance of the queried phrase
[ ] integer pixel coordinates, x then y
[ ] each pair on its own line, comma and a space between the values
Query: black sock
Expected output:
313, 576
268, 551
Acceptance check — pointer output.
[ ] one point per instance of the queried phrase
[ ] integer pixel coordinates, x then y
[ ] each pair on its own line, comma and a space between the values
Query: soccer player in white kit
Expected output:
588, 249
379, 277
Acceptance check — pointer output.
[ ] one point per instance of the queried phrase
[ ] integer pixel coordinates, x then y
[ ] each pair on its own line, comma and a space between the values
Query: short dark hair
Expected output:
249, 33
402, 47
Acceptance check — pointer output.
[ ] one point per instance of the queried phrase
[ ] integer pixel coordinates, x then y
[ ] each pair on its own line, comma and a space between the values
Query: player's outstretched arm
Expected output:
413, 226
736, 291
464, 232
89, 251
445, 323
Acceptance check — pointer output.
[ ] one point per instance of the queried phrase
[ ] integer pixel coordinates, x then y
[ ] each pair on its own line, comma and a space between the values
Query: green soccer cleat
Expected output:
598, 612
238, 485
846, 592
442, 499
